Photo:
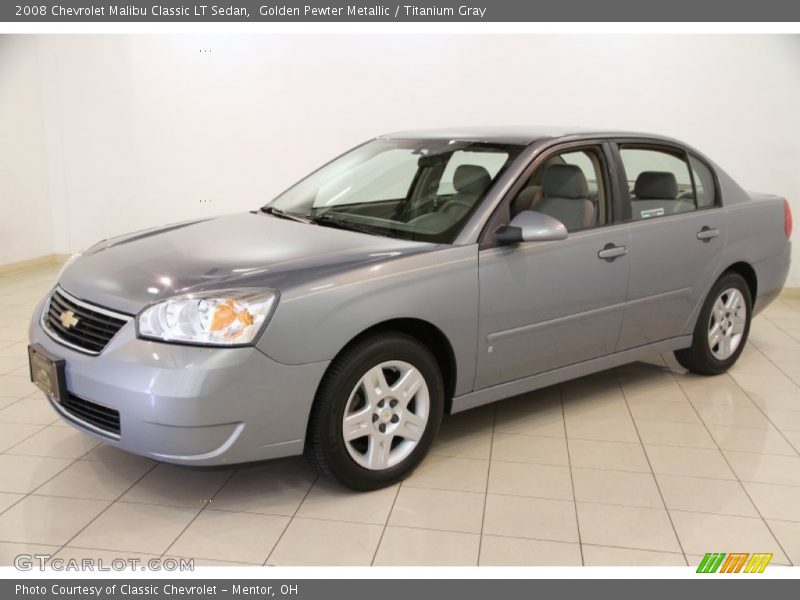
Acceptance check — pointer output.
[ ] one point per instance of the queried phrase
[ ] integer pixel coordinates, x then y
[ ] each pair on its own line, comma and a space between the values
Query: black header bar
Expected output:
402, 11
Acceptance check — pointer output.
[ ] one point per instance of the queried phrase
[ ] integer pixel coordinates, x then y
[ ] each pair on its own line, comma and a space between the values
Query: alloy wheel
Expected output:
386, 415
727, 323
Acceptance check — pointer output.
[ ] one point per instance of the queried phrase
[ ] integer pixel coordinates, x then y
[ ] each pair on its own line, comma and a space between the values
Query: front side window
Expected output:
415, 189
569, 187
659, 182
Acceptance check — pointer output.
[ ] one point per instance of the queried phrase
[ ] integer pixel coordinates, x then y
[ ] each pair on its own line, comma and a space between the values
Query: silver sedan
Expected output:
419, 274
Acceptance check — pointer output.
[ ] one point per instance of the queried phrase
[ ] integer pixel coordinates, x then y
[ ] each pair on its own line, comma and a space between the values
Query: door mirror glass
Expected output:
531, 226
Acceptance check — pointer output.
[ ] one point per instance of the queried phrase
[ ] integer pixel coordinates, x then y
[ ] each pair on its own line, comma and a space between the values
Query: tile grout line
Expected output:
25, 439
53, 476
331, 520
632, 444
486, 487
652, 472
550, 540
444, 530
41, 429
386, 524
766, 356
202, 508
758, 407
738, 480
291, 518
110, 504
571, 475
17, 401
31, 492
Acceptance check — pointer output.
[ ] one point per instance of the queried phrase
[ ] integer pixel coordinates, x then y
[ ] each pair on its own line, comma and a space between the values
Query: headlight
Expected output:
220, 318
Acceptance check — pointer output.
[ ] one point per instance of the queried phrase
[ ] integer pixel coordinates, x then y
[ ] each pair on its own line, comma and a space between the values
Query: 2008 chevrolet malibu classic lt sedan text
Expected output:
418, 274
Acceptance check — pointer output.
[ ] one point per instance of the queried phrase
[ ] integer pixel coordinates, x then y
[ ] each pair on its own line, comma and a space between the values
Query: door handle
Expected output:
610, 252
707, 233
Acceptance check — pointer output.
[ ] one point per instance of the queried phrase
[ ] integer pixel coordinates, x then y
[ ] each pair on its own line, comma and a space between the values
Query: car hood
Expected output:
130, 272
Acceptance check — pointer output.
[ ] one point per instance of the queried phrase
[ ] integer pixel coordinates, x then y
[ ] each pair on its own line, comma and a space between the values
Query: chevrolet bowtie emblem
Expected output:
68, 319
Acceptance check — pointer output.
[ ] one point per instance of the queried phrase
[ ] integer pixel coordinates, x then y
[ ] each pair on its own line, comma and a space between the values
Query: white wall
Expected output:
26, 217
139, 130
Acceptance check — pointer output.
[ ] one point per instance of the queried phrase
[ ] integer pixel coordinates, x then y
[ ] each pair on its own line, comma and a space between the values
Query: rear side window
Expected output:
659, 182
703, 183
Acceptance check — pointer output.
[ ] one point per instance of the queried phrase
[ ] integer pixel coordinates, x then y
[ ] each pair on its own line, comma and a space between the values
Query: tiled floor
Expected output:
641, 465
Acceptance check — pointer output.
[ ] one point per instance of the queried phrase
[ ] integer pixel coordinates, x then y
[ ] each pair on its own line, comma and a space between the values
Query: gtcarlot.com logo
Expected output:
28, 562
734, 562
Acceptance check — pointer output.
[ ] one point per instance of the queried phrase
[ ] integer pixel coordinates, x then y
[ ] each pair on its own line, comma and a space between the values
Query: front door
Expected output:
545, 305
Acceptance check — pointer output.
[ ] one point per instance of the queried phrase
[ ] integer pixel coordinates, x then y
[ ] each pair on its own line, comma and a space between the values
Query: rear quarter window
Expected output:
706, 189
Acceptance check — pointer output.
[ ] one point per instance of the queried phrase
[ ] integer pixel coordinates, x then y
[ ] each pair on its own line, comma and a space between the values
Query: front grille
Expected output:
91, 328
102, 417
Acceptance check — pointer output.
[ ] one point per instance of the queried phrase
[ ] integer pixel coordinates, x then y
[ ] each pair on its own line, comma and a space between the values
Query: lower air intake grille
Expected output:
98, 415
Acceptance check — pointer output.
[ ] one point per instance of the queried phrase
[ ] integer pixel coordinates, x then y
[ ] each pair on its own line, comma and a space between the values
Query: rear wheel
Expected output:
377, 411
722, 327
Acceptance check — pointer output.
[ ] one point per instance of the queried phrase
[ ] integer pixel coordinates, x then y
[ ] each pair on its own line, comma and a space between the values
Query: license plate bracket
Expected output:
47, 372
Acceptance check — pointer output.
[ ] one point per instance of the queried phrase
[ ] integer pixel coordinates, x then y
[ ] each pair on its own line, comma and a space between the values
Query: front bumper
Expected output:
188, 404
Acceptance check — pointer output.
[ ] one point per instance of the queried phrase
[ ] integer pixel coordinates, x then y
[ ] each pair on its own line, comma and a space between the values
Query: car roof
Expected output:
519, 135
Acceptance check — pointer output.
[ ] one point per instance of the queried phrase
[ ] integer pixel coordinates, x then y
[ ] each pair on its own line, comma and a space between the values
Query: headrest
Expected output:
656, 185
528, 195
471, 179
525, 199
564, 181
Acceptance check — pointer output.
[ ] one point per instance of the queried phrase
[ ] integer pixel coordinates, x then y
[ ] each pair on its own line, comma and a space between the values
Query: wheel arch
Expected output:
748, 273
430, 336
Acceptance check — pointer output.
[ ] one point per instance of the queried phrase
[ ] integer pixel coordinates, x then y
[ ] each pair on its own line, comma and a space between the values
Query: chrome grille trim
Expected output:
101, 332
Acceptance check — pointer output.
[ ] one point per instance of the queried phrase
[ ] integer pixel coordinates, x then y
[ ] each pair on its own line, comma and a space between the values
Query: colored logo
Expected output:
734, 562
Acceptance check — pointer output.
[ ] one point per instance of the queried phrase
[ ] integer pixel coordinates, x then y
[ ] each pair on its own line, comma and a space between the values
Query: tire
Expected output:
706, 357
399, 417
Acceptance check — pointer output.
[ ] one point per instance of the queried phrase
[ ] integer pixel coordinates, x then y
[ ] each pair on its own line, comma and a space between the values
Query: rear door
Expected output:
677, 231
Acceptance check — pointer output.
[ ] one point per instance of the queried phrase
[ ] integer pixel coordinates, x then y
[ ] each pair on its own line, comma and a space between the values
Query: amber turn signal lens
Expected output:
787, 219
245, 317
224, 315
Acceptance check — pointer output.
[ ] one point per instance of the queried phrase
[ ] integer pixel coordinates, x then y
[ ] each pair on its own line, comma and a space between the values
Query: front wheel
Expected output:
722, 327
377, 411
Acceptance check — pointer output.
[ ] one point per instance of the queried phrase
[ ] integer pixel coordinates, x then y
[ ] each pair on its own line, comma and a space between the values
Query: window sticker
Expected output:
653, 212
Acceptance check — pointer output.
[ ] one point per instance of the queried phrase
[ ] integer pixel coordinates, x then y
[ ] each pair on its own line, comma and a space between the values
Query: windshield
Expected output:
415, 189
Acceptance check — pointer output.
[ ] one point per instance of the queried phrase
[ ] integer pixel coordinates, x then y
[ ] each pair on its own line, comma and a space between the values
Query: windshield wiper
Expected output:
279, 212
327, 220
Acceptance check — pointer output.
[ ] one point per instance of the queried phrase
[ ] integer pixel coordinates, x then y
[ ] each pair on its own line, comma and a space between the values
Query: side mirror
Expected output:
531, 226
